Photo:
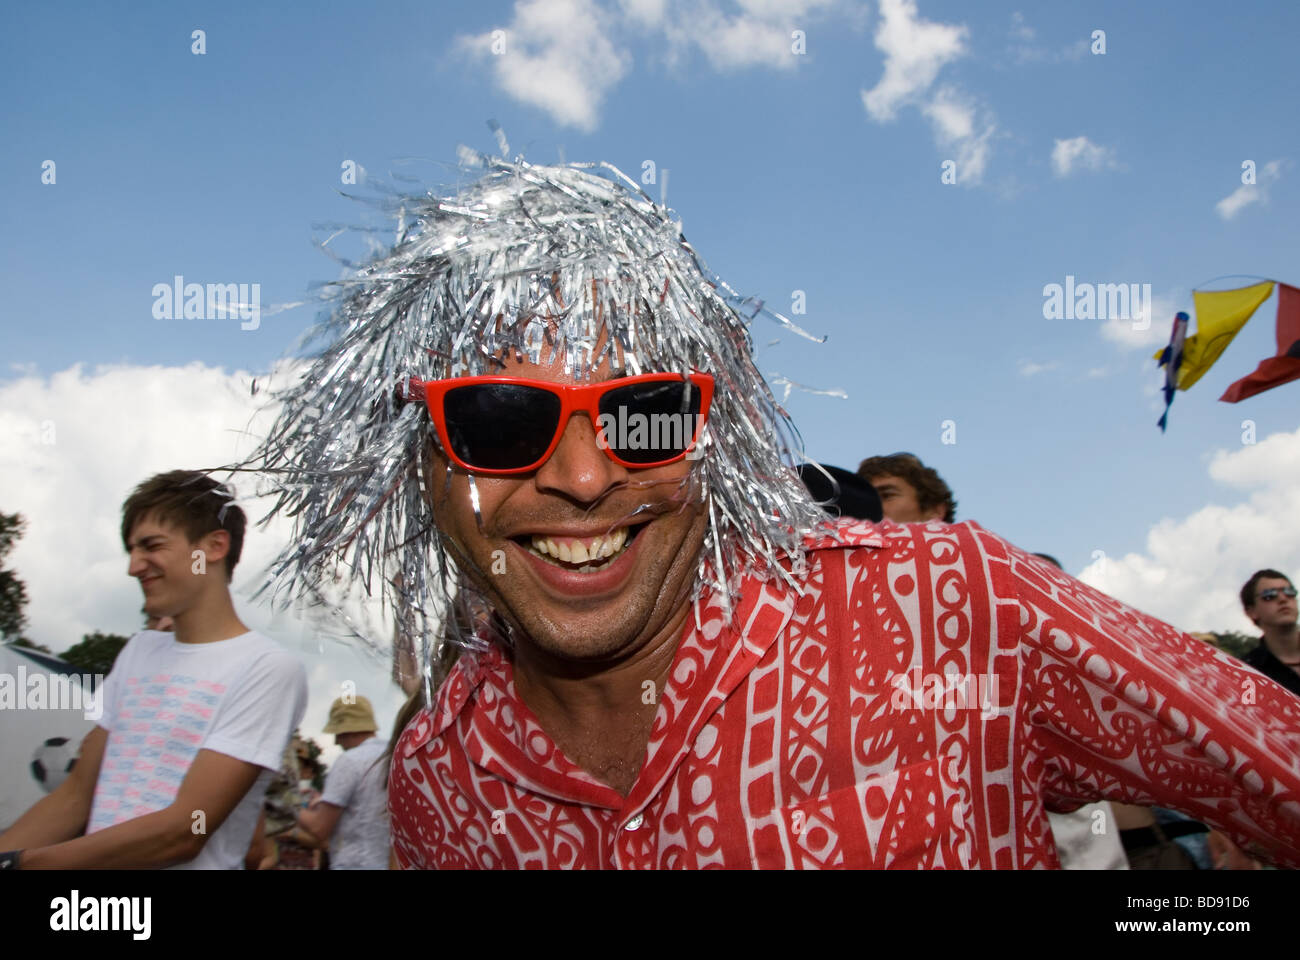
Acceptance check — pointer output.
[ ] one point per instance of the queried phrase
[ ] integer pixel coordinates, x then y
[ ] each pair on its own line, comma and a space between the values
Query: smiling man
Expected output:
676, 659
194, 721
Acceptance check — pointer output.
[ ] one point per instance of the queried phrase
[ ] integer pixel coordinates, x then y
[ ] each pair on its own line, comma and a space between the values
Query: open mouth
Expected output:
581, 554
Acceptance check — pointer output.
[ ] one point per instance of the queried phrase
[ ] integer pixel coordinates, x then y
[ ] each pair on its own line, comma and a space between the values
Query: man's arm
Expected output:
257, 849
213, 787
62, 814
316, 824
1133, 710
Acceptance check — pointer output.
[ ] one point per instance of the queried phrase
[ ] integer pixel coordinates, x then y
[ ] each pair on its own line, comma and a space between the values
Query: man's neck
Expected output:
600, 716
1284, 643
210, 620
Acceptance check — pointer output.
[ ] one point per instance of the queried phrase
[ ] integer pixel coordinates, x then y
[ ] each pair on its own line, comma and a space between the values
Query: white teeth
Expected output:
582, 551
615, 542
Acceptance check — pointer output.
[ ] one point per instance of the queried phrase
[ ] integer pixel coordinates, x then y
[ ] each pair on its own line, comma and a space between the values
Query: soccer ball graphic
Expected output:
52, 762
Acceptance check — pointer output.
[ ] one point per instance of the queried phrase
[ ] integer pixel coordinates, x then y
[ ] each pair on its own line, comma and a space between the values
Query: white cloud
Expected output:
111, 428
958, 130
1192, 568
1029, 368
915, 51
565, 56
1021, 30
1250, 193
556, 55
736, 42
1080, 153
646, 13
1150, 327
1025, 48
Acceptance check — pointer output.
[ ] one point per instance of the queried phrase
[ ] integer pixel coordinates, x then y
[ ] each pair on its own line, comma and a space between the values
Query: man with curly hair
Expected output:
910, 491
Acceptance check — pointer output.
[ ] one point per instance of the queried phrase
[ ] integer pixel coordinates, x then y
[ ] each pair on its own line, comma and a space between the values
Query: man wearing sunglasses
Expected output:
543, 410
1269, 599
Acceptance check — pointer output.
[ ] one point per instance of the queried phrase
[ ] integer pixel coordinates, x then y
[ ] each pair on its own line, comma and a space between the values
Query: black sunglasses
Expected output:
1272, 593
509, 425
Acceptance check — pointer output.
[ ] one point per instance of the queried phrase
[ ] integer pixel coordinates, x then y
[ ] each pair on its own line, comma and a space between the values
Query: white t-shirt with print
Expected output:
358, 782
165, 700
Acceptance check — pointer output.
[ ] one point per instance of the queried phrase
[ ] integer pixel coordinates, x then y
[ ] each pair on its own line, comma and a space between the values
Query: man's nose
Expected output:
135, 564
579, 468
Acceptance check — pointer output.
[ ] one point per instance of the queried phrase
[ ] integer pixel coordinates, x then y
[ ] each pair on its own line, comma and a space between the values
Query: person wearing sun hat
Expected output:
352, 812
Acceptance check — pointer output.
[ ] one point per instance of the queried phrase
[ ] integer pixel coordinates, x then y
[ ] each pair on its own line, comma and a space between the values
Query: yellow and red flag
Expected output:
1282, 367
1219, 315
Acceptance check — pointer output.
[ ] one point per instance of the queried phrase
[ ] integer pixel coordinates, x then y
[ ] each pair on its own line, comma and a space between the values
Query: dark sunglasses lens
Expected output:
500, 426
1275, 592
650, 422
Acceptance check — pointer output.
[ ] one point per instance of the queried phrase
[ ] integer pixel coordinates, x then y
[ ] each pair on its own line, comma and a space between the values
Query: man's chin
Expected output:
590, 650
598, 632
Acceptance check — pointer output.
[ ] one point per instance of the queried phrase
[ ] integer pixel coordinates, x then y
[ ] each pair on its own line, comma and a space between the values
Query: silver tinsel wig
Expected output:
575, 257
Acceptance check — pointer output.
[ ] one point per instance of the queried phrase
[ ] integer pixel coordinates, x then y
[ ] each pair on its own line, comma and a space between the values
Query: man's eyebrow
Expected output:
146, 540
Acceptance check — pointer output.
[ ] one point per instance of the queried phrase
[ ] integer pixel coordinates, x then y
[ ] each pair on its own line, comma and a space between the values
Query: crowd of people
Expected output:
633, 636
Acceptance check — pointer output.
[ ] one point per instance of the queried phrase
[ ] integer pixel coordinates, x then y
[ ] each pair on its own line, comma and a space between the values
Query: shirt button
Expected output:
635, 823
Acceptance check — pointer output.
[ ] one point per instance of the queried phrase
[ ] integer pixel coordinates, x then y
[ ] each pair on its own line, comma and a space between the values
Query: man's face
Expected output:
161, 558
581, 609
1278, 612
899, 500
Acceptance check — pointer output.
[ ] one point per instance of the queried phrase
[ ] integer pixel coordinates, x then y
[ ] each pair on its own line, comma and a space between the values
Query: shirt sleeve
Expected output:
259, 713
1123, 706
341, 782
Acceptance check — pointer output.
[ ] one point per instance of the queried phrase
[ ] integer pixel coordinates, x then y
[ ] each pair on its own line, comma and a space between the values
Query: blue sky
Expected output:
818, 172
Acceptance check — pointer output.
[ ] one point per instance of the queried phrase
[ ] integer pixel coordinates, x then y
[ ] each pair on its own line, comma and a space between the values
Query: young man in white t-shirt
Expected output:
194, 722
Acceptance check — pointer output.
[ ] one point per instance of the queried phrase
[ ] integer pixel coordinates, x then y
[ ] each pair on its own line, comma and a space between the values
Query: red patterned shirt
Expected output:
925, 698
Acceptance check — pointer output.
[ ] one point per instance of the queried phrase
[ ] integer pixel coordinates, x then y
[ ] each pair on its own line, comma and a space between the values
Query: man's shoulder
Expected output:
1261, 658
268, 654
865, 535
144, 643
360, 756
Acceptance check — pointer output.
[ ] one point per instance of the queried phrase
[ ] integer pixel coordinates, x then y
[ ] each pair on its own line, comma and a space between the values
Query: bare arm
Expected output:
62, 814
213, 787
257, 849
316, 824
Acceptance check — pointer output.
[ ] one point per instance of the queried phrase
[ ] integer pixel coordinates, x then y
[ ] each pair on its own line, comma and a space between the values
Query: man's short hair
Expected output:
191, 501
1248, 591
931, 491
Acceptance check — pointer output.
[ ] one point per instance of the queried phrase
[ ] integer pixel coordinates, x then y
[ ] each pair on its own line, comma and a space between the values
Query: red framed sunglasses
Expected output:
508, 425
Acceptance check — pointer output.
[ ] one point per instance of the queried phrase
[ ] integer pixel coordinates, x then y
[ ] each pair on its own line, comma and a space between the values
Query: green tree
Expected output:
96, 652
24, 642
1237, 644
13, 592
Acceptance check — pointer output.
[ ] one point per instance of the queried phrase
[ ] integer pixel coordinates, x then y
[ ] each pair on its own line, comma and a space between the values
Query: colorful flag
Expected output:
1282, 367
1219, 315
